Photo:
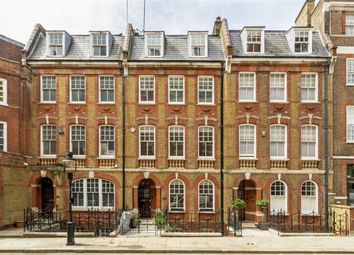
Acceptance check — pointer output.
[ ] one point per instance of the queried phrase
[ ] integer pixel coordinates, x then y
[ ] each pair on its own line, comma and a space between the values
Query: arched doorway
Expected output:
146, 198
46, 194
247, 191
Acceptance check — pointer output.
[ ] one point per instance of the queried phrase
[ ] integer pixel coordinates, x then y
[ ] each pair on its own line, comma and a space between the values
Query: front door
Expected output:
247, 192
47, 194
146, 197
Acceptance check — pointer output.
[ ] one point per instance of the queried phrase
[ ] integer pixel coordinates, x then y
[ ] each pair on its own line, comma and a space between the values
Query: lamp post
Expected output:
70, 223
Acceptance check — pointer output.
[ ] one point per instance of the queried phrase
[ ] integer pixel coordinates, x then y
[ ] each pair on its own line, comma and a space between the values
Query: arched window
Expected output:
206, 196
176, 142
278, 196
309, 197
177, 193
247, 141
93, 193
206, 142
278, 142
49, 140
147, 141
309, 142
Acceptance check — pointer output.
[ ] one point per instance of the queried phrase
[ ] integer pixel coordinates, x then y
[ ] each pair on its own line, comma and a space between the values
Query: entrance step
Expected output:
248, 225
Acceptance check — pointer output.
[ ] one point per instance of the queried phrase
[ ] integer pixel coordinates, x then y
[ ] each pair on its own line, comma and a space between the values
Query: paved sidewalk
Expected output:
253, 242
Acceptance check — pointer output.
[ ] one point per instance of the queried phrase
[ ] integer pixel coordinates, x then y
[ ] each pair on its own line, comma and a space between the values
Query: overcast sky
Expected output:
18, 17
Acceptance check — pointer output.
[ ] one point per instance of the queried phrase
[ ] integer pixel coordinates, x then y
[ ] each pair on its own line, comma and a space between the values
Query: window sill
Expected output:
245, 101
3, 104
207, 212
47, 157
73, 103
280, 159
106, 157
278, 102
147, 103
309, 159
310, 102
47, 102
106, 103
248, 158
176, 104
182, 211
86, 209
79, 157
206, 104
310, 215
148, 158
177, 159
206, 159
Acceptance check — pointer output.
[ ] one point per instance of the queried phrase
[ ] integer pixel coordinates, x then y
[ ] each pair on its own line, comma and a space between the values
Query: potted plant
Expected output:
160, 220
263, 205
238, 204
134, 221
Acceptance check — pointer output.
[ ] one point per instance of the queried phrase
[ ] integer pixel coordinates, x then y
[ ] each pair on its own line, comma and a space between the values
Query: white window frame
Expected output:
41, 142
207, 210
213, 90
71, 145
170, 90
254, 156
285, 87
146, 42
316, 198
62, 45
140, 130
41, 92
169, 143
114, 142
309, 38
70, 90
254, 87
99, 90
250, 31
316, 145
100, 45
5, 135
349, 124
351, 25
190, 45
184, 197
316, 88
347, 73
140, 90
4, 101
285, 142
100, 196
285, 209
213, 150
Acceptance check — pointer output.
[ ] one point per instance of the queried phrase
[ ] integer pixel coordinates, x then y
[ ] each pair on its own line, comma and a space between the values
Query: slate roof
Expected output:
176, 49
79, 49
276, 45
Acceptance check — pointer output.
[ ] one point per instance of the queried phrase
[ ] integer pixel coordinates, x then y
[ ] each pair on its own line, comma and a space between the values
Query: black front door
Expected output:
146, 187
241, 193
47, 193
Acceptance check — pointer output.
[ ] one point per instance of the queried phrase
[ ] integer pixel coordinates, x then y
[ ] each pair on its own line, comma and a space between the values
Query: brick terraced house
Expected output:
15, 117
173, 112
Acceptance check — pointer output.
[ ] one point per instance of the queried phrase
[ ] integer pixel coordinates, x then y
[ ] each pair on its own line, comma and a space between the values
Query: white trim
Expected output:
345, 49
213, 151
285, 87
41, 90
244, 38
99, 90
139, 90
70, 90
205, 210
316, 88
285, 142
286, 195
346, 72
92, 45
346, 123
41, 141
316, 145
254, 87
343, 157
190, 34
184, 143
4, 102
169, 196
70, 140
63, 38
99, 142
316, 189
184, 89
213, 90
254, 156
147, 157
5, 135
162, 44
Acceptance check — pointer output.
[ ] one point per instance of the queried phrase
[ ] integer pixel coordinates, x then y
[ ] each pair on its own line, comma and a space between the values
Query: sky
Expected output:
18, 17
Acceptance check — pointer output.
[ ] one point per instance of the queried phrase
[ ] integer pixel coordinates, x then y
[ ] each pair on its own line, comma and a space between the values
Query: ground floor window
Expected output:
206, 196
177, 195
309, 198
278, 197
93, 193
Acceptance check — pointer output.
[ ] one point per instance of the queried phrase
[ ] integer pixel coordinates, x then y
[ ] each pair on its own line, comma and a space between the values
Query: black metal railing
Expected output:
234, 222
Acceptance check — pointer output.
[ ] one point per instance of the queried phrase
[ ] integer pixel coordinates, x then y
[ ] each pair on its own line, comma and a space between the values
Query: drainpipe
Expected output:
121, 71
222, 146
326, 162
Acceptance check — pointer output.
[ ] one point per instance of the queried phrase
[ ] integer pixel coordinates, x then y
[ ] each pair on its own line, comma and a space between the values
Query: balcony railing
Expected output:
172, 163
105, 162
278, 163
80, 162
147, 163
206, 164
47, 161
248, 163
309, 164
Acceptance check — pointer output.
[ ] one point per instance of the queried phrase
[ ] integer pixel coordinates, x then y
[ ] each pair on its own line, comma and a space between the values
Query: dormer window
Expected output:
198, 44
99, 44
301, 41
56, 44
154, 44
254, 40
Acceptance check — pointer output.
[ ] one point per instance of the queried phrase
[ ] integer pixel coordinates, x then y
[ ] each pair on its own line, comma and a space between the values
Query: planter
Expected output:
263, 226
19, 224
